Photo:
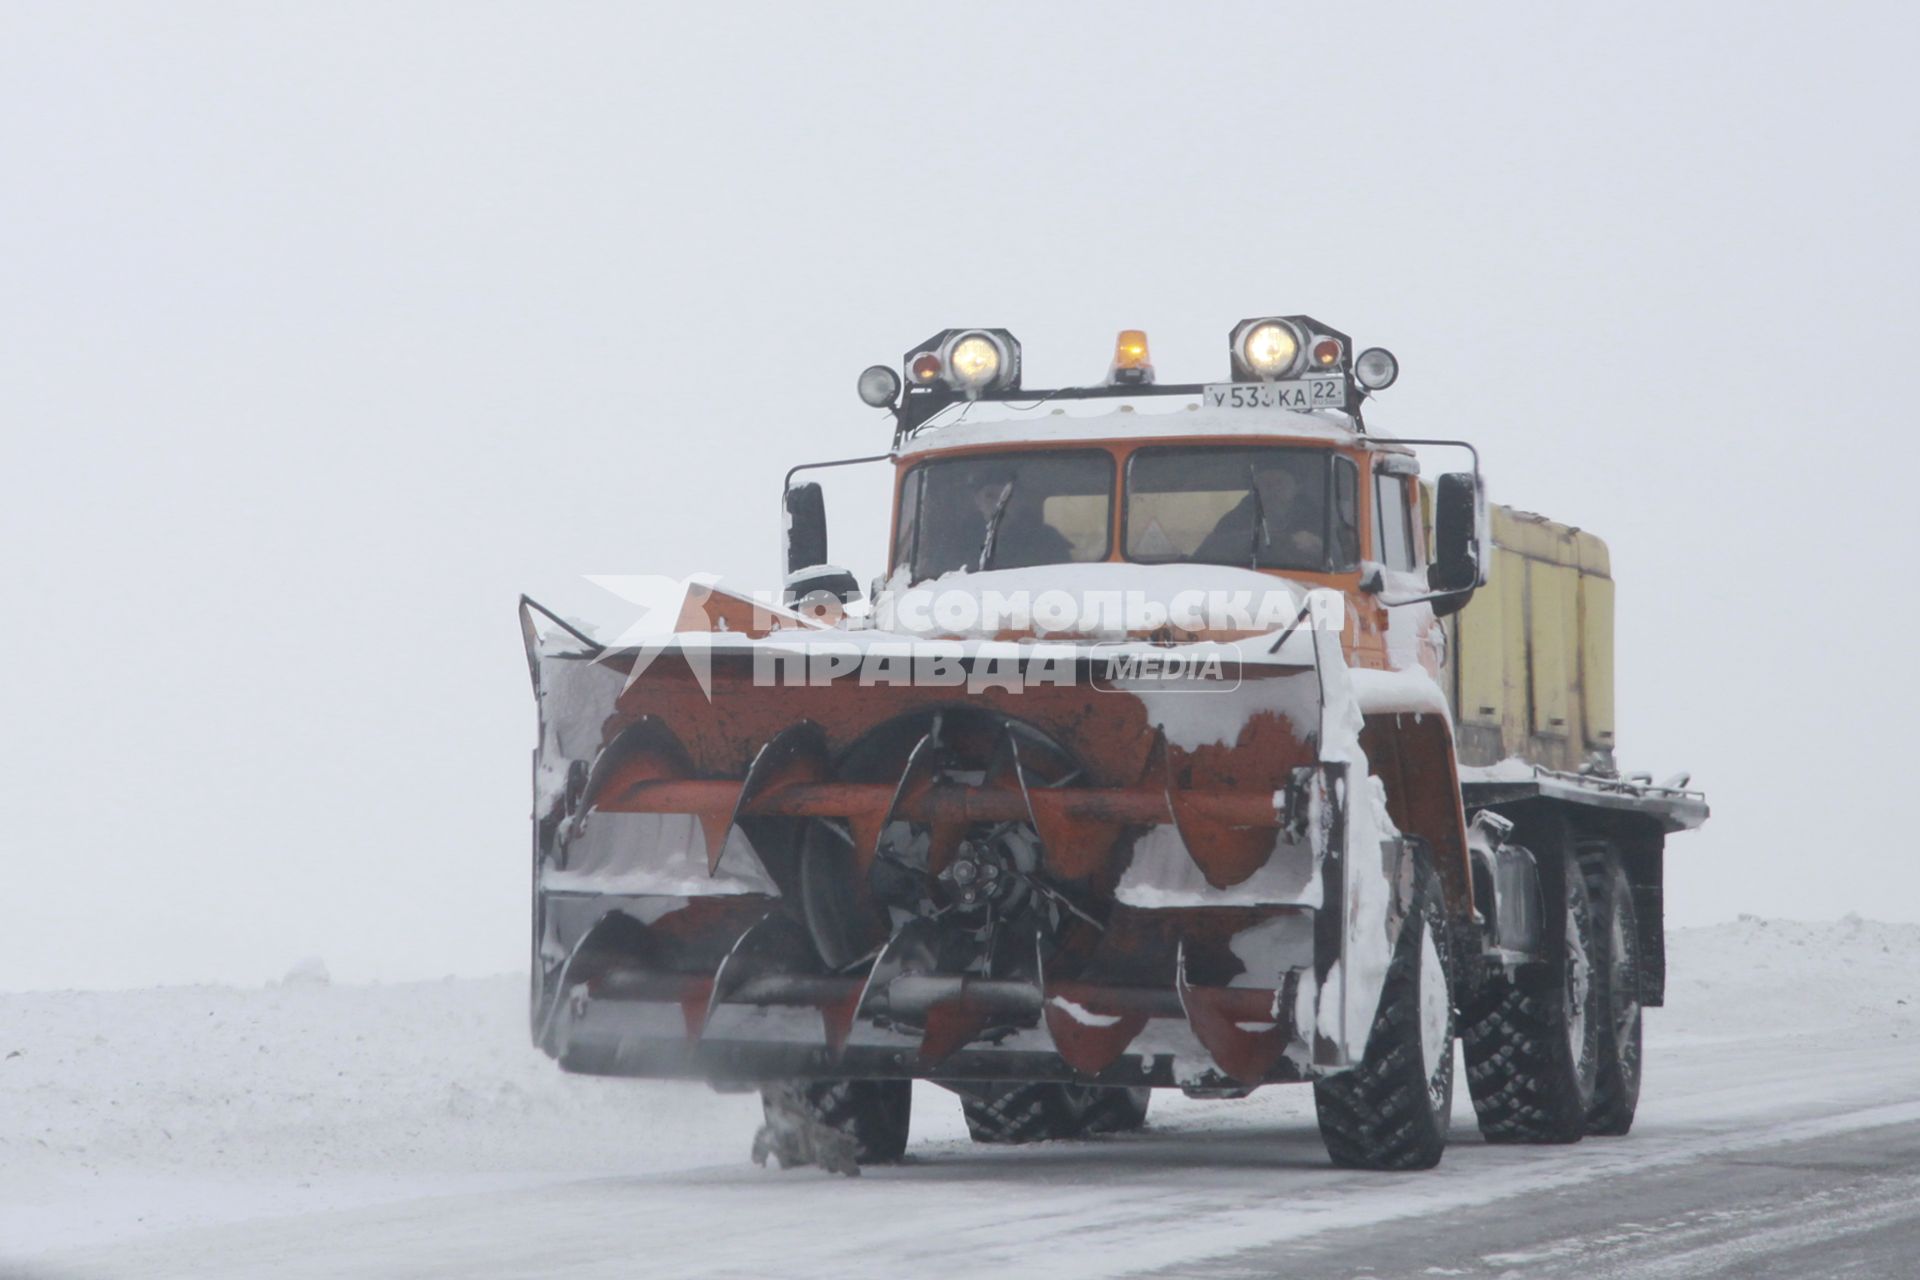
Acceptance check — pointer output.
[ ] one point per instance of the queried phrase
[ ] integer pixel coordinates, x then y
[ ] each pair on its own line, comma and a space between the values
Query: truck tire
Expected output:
1017, 1113
1393, 1111
1532, 1039
1616, 1090
1117, 1111
836, 1124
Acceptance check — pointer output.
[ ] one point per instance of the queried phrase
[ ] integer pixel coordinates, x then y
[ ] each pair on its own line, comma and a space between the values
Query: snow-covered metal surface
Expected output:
1162, 874
1371, 924
599, 859
1067, 420
1098, 600
1674, 808
1409, 690
1292, 679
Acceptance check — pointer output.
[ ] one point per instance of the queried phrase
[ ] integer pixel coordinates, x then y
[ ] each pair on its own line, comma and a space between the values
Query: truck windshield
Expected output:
1005, 511
1262, 507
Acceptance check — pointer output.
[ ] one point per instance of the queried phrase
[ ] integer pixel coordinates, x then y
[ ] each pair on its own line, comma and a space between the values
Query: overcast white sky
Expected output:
325, 330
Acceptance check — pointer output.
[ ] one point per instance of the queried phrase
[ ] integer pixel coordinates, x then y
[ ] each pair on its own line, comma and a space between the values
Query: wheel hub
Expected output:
979, 877
1579, 980
983, 889
1435, 1008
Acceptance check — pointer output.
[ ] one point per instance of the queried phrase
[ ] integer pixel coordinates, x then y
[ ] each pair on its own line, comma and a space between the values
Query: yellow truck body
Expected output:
1532, 654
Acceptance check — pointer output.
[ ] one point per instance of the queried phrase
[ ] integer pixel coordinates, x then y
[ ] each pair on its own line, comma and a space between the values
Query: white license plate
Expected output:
1299, 394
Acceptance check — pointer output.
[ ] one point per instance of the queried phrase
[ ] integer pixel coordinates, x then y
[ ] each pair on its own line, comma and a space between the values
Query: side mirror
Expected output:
1456, 535
806, 527
808, 572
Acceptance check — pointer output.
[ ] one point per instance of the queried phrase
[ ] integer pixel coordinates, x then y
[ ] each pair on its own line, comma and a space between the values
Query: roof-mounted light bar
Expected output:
1298, 362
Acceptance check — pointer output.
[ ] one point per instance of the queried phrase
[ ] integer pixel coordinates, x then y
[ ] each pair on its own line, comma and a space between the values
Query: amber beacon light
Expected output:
1132, 366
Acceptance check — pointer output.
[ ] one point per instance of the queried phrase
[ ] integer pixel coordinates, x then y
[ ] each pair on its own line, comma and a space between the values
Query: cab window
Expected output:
1005, 511
1392, 522
1263, 507
1346, 513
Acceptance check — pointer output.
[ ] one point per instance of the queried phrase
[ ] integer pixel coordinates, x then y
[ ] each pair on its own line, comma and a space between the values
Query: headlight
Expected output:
973, 361
968, 363
1270, 348
879, 386
1375, 369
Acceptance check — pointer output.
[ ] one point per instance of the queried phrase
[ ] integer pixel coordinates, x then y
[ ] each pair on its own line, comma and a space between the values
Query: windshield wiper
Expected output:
1261, 536
993, 527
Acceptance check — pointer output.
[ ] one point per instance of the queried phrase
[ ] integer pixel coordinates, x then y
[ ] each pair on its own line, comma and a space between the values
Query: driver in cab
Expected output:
1279, 523
1014, 531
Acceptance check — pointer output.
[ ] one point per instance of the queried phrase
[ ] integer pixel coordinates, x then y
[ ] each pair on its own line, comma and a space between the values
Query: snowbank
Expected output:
132, 1111
128, 1111
1757, 977
411, 1077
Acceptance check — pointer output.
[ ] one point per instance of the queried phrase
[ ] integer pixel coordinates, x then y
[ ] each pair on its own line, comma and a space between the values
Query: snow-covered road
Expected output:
407, 1131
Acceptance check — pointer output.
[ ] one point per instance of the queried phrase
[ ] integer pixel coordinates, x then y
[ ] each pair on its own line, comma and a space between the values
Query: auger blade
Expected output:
951, 1025
776, 945
795, 756
913, 947
1087, 1036
647, 755
1226, 854
1074, 846
1232, 853
920, 776
1240, 1027
645, 752
695, 1003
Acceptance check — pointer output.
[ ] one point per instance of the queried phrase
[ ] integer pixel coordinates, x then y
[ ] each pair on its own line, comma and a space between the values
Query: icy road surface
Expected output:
316, 1131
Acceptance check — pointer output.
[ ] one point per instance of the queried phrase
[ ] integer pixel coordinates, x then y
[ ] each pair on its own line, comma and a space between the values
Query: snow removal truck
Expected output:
1191, 740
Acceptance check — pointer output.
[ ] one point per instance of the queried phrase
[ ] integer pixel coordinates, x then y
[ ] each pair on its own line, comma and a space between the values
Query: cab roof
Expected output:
1063, 419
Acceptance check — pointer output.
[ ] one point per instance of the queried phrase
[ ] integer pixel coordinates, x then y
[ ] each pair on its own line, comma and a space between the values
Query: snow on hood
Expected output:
1093, 601
1409, 691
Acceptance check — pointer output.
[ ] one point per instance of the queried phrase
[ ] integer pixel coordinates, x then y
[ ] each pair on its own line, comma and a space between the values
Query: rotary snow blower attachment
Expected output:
835, 880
